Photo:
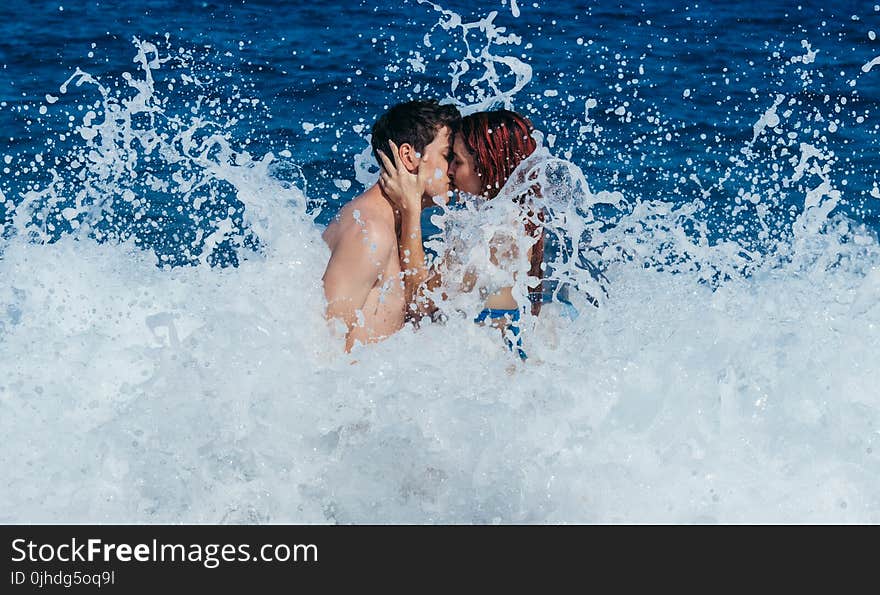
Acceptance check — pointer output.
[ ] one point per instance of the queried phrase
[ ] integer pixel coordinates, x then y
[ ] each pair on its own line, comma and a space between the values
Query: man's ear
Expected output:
408, 155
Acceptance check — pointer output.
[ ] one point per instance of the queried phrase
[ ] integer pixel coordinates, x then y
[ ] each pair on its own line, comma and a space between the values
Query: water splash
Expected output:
728, 374
484, 91
145, 167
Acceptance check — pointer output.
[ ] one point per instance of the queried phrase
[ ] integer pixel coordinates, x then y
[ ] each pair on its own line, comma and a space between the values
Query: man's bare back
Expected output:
363, 278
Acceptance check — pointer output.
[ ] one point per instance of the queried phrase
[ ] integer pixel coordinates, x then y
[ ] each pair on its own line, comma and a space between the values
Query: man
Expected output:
363, 281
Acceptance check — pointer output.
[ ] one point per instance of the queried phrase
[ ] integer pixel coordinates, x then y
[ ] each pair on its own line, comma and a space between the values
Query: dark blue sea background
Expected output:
678, 88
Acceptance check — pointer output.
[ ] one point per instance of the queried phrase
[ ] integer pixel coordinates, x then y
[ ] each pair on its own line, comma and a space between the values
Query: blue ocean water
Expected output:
692, 78
727, 376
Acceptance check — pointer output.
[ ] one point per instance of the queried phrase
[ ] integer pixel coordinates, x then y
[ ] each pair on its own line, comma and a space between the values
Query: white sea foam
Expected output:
218, 395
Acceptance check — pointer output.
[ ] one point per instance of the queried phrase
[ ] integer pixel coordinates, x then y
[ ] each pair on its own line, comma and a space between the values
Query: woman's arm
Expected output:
404, 190
417, 277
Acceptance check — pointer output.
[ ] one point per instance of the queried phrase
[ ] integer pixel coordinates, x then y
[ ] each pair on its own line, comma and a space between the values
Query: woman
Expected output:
487, 149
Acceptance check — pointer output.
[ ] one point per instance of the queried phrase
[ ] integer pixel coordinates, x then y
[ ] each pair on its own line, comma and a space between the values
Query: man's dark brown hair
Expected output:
414, 122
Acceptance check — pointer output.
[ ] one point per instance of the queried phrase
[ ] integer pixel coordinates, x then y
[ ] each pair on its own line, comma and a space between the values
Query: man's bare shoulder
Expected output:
364, 220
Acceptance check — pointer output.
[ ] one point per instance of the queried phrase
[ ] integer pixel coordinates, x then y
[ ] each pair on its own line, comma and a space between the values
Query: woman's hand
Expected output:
403, 188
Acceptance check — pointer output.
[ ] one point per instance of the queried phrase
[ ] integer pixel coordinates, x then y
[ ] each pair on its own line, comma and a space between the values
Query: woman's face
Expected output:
462, 171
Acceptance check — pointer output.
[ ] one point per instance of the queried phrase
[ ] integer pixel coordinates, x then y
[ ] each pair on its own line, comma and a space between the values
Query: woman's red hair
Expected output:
499, 141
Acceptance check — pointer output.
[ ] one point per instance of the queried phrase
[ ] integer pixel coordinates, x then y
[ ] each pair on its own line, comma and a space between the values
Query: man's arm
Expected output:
356, 264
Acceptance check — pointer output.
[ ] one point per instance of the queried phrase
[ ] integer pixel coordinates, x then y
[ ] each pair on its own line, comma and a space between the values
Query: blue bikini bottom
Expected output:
512, 317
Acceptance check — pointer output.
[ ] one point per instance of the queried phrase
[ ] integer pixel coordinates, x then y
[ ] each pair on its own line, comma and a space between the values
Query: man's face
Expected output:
436, 159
